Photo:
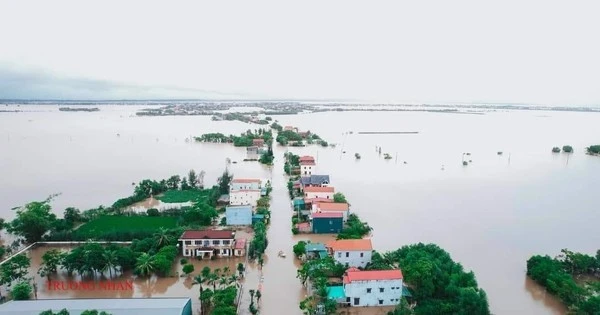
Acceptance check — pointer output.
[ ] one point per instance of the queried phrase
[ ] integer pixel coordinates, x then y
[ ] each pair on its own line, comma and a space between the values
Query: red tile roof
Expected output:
258, 141
333, 206
370, 275
245, 180
307, 158
307, 163
349, 245
207, 234
319, 189
327, 215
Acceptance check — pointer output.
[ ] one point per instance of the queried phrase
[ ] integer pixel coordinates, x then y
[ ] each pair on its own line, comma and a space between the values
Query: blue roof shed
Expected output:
238, 215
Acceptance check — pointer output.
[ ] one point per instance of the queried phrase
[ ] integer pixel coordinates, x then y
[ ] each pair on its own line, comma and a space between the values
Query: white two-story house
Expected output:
352, 253
307, 165
243, 191
207, 243
373, 287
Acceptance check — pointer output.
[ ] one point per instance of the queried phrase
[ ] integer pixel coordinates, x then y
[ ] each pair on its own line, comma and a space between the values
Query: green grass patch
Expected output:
107, 224
179, 196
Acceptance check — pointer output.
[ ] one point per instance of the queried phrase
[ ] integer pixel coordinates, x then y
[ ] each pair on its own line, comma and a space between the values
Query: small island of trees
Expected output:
567, 149
573, 277
593, 150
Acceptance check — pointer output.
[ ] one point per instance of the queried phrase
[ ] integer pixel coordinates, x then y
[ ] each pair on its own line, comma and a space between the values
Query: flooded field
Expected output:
490, 215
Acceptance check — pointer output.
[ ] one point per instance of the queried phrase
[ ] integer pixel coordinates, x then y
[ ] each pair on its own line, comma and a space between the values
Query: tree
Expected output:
252, 291
205, 272
111, 261
21, 291
224, 182
145, 265
173, 182
184, 184
33, 220
188, 268
241, 269
567, 149
163, 238
152, 212
205, 300
51, 260
556, 149
339, 198
14, 269
61, 312
94, 312
72, 215
193, 179
300, 248
258, 296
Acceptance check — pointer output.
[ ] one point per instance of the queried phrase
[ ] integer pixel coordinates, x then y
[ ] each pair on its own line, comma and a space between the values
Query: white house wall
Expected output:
326, 195
244, 197
353, 258
392, 291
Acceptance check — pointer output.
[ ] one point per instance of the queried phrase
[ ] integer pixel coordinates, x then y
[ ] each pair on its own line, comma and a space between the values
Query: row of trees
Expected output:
440, 285
243, 140
221, 299
64, 311
558, 274
593, 149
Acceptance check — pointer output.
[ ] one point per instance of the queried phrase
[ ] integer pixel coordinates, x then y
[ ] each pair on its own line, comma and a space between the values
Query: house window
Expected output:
368, 290
330, 222
347, 254
348, 300
206, 243
380, 302
188, 242
339, 255
226, 242
362, 254
216, 242
356, 301
198, 242
381, 290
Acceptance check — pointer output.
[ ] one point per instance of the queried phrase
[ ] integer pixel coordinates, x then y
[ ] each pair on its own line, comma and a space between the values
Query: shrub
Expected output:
567, 149
153, 212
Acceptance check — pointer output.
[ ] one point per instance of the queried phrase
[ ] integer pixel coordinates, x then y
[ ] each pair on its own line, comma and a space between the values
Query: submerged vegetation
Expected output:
594, 149
559, 276
243, 140
439, 285
567, 149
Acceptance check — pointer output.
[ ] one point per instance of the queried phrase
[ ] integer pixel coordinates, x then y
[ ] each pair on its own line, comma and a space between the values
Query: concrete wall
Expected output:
325, 195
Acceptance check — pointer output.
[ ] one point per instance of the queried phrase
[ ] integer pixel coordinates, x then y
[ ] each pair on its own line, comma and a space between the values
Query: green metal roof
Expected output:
315, 247
322, 254
336, 293
298, 202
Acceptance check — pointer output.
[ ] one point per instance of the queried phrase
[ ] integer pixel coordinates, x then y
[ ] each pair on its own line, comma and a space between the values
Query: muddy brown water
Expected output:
490, 215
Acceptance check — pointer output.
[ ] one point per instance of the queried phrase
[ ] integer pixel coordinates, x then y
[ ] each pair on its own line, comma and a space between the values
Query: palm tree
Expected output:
212, 280
205, 299
240, 269
163, 238
144, 265
226, 271
232, 279
223, 282
111, 261
217, 271
205, 272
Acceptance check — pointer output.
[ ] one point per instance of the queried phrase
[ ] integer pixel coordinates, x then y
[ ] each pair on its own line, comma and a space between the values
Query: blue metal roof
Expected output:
336, 292
315, 247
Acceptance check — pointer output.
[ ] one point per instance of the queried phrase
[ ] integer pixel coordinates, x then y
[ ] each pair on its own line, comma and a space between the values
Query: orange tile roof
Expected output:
245, 180
333, 206
319, 189
361, 244
351, 276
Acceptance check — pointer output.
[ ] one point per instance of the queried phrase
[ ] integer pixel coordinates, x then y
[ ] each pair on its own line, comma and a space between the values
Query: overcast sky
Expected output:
418, 51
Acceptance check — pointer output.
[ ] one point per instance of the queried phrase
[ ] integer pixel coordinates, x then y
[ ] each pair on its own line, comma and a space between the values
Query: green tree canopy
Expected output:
33, 220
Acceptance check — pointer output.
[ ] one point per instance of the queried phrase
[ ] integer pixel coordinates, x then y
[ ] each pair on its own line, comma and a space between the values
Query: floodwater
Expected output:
175, 286
490, 215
